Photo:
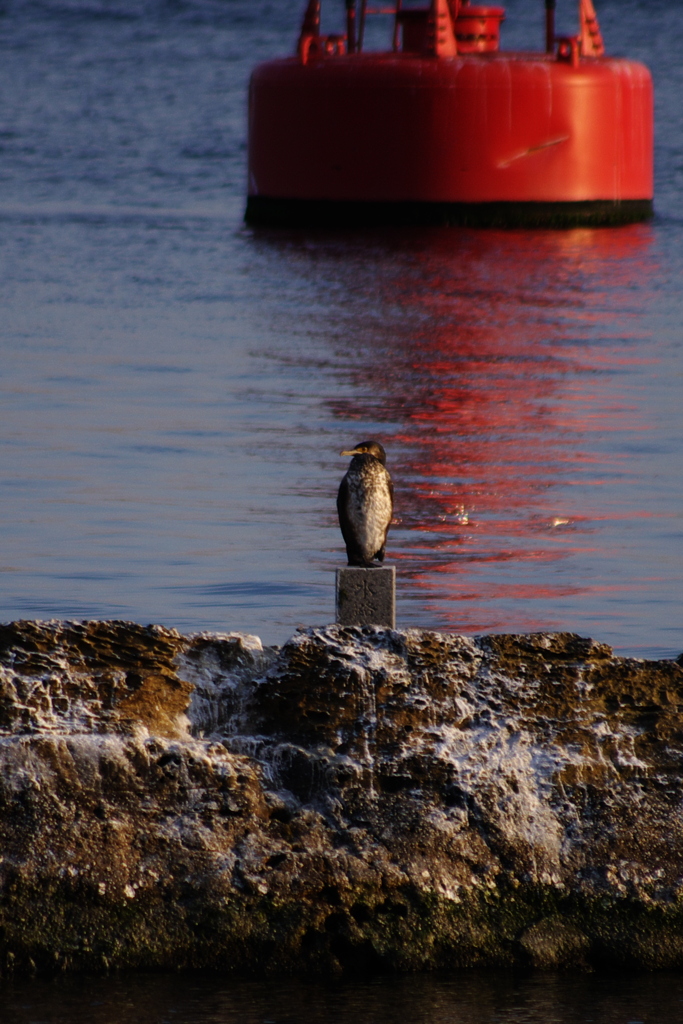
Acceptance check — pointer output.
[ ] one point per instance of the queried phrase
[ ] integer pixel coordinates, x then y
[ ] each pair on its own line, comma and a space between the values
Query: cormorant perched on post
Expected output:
365, 504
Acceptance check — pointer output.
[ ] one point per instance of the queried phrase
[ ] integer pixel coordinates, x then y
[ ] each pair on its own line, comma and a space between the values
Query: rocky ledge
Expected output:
359, 799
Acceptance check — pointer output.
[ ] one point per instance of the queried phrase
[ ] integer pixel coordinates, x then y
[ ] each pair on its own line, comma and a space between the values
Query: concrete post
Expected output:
366, 597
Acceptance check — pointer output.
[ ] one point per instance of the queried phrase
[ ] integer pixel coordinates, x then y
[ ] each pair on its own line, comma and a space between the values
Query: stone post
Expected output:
366, 597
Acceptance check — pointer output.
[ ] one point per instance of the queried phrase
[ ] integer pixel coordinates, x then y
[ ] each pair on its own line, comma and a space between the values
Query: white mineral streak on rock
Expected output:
222, 668
507, 772
72, 677
41, 702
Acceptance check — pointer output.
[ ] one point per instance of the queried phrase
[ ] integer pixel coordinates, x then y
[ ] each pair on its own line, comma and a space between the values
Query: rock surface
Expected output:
359, 799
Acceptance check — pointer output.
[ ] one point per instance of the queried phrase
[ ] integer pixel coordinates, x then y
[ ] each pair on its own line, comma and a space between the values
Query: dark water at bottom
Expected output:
473, 997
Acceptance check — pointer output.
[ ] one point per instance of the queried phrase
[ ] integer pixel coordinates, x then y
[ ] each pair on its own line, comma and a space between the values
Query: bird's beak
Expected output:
354, 452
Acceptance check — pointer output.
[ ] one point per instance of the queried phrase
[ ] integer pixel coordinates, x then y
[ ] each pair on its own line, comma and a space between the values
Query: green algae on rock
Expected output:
360, 799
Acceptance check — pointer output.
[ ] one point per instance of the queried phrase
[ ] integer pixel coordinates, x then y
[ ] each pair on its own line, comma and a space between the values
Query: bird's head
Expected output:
373, 448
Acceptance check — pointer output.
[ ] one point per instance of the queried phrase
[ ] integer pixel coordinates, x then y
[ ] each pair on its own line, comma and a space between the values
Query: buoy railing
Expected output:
549, 26
443, 29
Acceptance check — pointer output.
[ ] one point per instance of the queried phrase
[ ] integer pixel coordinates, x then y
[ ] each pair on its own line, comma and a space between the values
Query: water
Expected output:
491, 997
175, 389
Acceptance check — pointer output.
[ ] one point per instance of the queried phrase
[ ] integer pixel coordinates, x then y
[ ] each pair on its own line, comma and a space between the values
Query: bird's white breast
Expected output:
370, 507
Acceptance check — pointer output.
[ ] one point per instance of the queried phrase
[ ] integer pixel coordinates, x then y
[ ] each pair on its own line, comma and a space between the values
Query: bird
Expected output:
365, 504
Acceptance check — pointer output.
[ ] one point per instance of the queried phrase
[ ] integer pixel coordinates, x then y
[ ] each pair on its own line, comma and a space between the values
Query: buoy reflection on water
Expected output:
510, 373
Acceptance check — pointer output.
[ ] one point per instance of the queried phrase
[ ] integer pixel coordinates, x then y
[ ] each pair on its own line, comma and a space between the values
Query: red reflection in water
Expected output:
500, 365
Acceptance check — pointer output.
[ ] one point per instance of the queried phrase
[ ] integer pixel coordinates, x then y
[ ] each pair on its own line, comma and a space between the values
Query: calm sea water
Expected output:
175, 389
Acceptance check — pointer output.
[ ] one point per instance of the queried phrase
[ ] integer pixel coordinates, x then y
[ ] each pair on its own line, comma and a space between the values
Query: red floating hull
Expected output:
480, 138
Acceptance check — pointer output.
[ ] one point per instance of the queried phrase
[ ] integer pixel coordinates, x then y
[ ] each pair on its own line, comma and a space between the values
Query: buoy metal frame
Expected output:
445, 128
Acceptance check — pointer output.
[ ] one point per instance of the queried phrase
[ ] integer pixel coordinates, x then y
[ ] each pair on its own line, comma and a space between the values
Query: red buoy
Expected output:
446, 128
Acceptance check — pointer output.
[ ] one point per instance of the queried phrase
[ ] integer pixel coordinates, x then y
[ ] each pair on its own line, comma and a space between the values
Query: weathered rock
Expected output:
361, 799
